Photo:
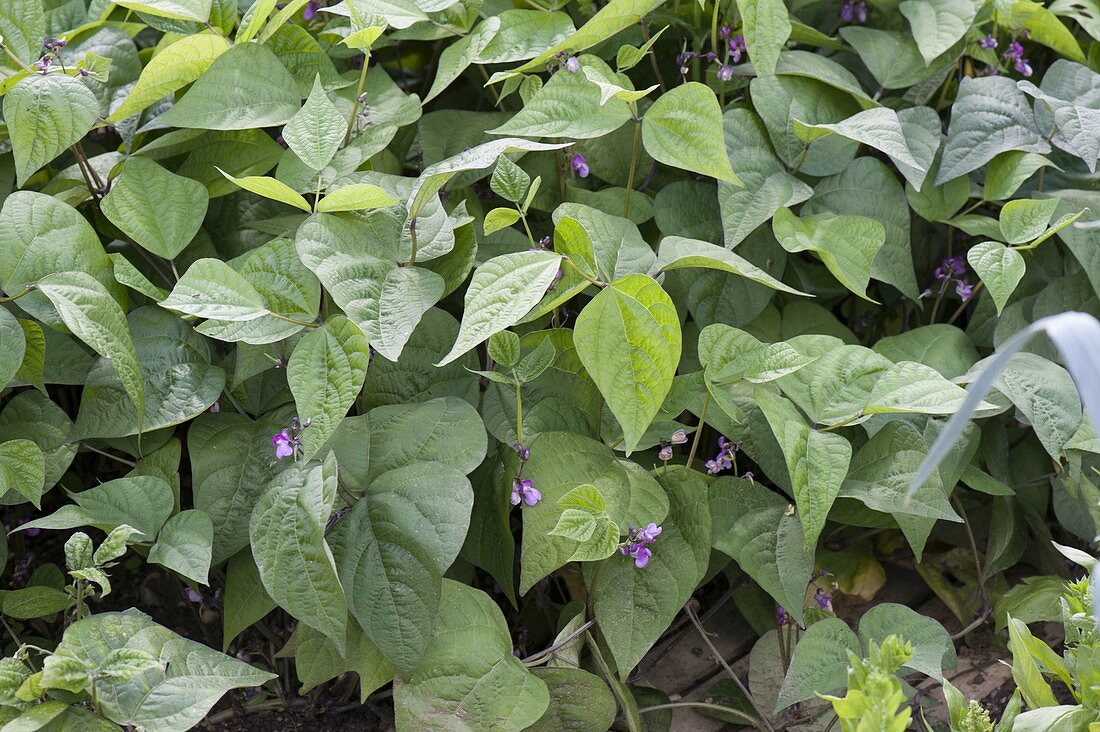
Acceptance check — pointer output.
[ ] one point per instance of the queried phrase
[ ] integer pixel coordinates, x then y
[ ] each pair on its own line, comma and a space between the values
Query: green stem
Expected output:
714, 28
412, 239
699, 429
530, 236
26, 289
358, 93
519, 411
607, 674
633, 164
104, 453
295, 321
585, 275
701, 705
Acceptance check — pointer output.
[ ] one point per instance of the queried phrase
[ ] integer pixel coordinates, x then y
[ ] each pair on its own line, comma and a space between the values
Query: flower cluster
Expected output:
988, 43
523, 489
288, 441
733, 50
727, 453
853, 11
1015, 55
53, 47
636, 544
952, 270
679, 437
579, 165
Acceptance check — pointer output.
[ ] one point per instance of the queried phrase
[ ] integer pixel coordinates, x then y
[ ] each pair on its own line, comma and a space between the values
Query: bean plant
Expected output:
452, 359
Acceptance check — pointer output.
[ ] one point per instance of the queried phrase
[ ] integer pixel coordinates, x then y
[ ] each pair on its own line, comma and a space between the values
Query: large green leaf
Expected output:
392, 550
468, 679
13, 347
46, 114
676, 252
730, 355
847, 245
579, 702
89, 311
569, 106
287, 533
325, 373
683, 128
194, 10
817, 462
990, 116
158, 209
174, 67
628, 338
144, 502
184, 545
634, 606
22, 469
1001, 268
819, 664
501, 292
938, 24
933, 650
245, 87
31, 415
189, 679
210, 288
317, 131
752, 524
1044, 393
767, 26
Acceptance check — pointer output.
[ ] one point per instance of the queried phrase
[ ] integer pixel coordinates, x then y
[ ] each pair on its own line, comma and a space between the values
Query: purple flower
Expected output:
1015, 50
649, 534
33, 531
636, 541
310, 11
724, 31
725, 73
191, 595
640, 554
988, 43
954, 266
572, 64
679, 437
284, 444
724, 459
780, 616
851, 10
823, 599
215, 407
665, 453
737, 47
964, 289
1022, 66
523, 452
579, 165
524, 490
43, 64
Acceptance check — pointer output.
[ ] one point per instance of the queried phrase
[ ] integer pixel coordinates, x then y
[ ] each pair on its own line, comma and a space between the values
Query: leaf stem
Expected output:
295, 321
412, 239
585, 275
26, 289
519, 410
699, 429
358, 93
532, 660
633, 163
104, 453
699, 705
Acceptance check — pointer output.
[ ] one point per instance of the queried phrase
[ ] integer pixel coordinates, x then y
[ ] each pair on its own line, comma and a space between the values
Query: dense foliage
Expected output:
454, 350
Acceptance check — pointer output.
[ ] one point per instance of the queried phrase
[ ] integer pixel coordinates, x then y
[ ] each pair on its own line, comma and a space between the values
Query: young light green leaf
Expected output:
730, 355
287, 532
184, 545
847, 245
197, 11
325, 373
501, 292
272, 188
46, 114
1025, 219
1008, 171
210, 288
159, 210
509, 181
112, 547
612, 88
355, 197
171, 69
89, 311
628, 338
1001, 268
499, 218
676, 252
245, 87
683, 128
767, 26
317, 130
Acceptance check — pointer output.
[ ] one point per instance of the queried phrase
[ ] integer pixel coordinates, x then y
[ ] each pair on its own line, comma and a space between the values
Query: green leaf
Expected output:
194, 10
628, 338
316, 660
767, 26
245, 87
501, 292
509, 181
113, 547
943, 347
1043, 27
392, 550
1001, 268
143, 502
1044, 393
879, 128
158, 209
612, 87
683, 128
271, 188
35, 602
172, 68
171, 697
45, 115
468, 678
317, 130
939, 24
498, 219
894, 58
1008, 171
730, 355
184, 545
579, 702
504, 348
819, 664
89, 311
32, 364
123, 664
458, 56
246, 600
325, 373
569, 106
676, 252
210, 288
1026, 671
355, 197
130, 276
68, 674
933, 650
287, 533
847, 245
13, 346
752, 525
817, 462
633, 606
990, 116
1026, 218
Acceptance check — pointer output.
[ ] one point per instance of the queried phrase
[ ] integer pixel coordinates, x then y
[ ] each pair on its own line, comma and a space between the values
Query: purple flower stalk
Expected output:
288, 440
636, 541
724, 459
1022, 67
572, 65
964, 289
310, 11
780, 616
853, 11
1015, 50
579, 165
823, 599
988, 43
724, 32
737, 48
523, 452
524, 490
725, 73
952, 267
